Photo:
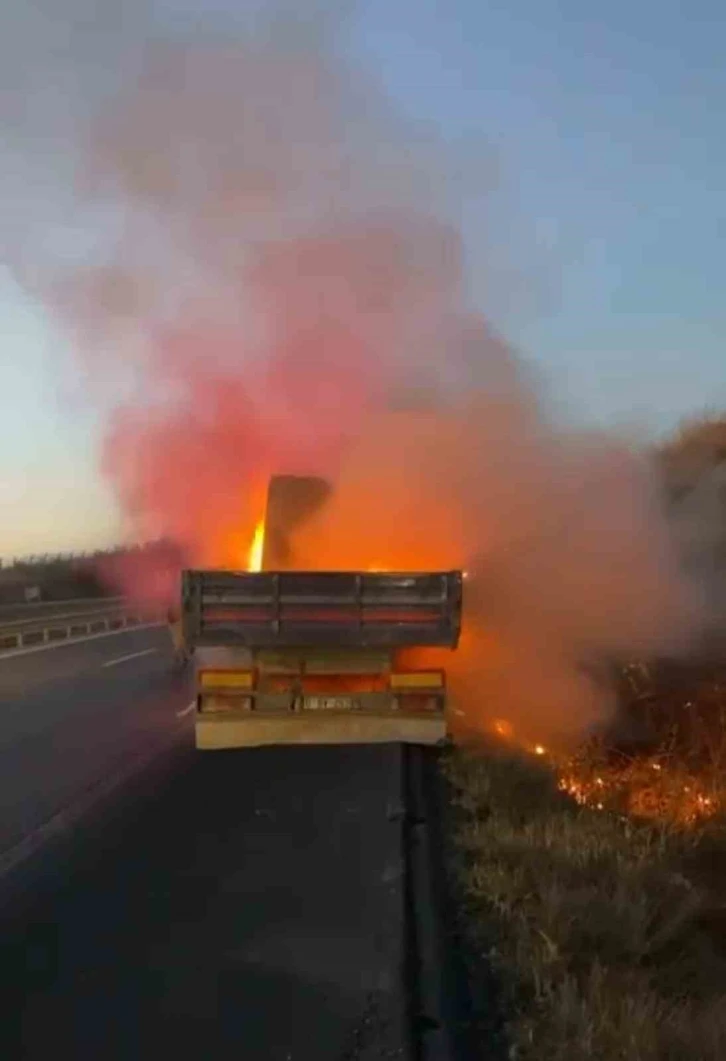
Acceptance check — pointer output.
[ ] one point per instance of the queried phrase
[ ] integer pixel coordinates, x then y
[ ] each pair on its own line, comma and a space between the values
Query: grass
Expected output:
606, 934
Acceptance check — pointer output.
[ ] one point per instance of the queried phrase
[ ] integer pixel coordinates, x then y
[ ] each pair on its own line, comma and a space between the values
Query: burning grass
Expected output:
659, 787
597, 885
665, 759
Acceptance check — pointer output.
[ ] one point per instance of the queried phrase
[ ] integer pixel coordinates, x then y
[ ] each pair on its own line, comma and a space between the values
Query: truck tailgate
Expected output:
321, 609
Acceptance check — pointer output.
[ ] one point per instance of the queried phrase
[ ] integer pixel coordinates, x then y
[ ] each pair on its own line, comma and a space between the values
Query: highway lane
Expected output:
72, 715
25, 670
250, 907
237, 904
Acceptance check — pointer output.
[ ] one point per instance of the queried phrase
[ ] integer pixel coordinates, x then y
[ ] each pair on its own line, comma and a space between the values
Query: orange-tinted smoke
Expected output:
569, 562
283, 291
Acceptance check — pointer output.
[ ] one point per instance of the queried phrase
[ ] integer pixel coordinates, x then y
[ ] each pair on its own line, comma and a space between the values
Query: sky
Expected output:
598, 247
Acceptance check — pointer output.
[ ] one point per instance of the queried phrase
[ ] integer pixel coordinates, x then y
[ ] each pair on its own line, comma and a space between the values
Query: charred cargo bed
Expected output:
300, 609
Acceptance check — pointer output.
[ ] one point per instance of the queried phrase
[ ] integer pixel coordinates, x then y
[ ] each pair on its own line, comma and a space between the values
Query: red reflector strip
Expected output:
308, 614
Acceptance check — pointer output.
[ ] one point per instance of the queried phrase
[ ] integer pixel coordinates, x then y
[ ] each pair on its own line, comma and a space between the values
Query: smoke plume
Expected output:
274, 284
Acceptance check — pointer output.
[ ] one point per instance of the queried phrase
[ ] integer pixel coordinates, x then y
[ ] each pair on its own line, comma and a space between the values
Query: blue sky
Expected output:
600, 251
608, 124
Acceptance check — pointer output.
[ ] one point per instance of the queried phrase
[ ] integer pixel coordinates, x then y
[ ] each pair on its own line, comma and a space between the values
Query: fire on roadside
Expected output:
643, 788
646, 787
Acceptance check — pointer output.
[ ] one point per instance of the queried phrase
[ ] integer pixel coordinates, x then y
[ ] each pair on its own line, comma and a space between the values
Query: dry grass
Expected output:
609, 934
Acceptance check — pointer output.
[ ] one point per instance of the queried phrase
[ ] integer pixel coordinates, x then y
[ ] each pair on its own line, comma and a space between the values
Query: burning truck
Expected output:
287, 656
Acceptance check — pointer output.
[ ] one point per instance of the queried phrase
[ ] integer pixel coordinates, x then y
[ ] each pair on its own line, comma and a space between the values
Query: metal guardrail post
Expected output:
51, 631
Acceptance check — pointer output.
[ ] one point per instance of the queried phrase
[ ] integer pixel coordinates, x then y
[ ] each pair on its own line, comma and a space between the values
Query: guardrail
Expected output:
46, 608
26, 633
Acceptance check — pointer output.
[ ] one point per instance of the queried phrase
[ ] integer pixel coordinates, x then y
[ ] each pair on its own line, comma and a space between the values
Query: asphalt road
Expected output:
244, 904
72, 715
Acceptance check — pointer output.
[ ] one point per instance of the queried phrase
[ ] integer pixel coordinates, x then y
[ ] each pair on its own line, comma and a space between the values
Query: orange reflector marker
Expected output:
226, 679
421, 679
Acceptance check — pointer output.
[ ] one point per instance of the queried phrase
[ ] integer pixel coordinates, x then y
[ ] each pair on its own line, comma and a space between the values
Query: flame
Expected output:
646, 788
254, 556
666, 799
504, 728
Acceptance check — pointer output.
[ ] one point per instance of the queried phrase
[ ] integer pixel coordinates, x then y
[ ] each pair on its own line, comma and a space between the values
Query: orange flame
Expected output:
504, 728
254, 556
646, 788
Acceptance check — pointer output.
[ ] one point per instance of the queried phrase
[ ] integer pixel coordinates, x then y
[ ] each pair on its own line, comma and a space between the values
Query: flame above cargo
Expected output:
256, 551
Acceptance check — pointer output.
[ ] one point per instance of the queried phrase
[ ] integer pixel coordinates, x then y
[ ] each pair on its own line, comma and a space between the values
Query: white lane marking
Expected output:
132, 655
15, 652
186, 710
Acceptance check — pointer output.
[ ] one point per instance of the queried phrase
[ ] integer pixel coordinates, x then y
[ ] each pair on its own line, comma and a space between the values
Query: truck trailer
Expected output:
318, 657
293, 656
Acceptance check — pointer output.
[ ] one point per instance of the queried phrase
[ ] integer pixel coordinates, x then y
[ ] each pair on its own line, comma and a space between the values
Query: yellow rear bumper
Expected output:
249, 730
